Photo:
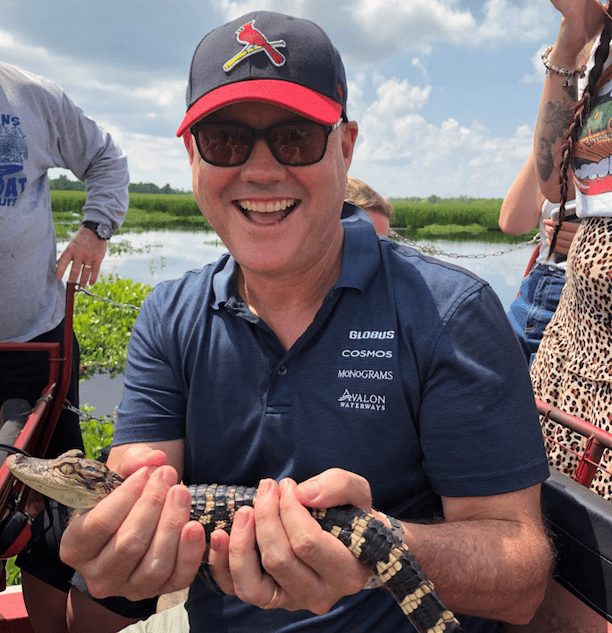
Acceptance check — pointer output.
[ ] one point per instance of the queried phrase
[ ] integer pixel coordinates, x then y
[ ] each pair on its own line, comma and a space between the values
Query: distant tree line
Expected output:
64, 183
433, 199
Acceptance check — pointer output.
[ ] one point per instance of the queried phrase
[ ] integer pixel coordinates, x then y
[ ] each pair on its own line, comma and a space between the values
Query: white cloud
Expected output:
509, 21
414, 137
374, 29
537, 73
417, 62
476, 166
14, 51
124, 98
401, 153
155, 159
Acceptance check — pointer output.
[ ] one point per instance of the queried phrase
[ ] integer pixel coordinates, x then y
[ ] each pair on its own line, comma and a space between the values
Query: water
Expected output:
168, 254
163, 255
160, 255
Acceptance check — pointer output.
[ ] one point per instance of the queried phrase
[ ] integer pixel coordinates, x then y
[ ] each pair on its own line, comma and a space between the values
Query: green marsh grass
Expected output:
418, 213
146, 212
180, 211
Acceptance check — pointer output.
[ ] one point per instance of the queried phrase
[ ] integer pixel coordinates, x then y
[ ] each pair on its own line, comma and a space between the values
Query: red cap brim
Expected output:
304, 101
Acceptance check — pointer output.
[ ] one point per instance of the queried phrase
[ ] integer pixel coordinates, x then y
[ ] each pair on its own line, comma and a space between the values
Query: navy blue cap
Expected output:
270, 57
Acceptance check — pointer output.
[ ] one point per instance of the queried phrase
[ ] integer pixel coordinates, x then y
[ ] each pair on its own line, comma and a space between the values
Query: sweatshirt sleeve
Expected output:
91, 154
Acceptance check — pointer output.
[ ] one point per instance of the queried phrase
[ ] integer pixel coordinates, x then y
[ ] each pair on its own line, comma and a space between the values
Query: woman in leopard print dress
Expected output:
573, 367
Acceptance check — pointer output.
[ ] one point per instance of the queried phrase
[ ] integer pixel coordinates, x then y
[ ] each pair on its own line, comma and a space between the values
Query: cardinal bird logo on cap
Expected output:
254, 42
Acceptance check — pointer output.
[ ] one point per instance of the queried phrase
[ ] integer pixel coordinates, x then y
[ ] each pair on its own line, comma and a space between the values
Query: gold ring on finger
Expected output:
274, 599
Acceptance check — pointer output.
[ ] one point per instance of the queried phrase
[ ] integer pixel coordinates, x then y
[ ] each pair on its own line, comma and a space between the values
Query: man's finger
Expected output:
218, 561
160, 562
86, 275
101, 523
75, 270
62, 263
95, 271
126, 461
251, 584
335, 487
124, 552
192, 545
322, 553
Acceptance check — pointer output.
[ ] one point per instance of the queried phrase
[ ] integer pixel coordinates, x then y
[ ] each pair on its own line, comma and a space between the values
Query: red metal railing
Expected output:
598, 441
532, 260
38, 429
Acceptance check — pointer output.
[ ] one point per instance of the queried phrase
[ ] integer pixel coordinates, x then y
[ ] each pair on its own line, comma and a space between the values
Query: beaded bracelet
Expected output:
571, 76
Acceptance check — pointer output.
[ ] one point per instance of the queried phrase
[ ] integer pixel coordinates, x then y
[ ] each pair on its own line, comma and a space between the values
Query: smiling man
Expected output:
322, 364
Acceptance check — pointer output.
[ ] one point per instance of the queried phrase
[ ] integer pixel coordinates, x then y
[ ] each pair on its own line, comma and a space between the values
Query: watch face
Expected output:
104, 231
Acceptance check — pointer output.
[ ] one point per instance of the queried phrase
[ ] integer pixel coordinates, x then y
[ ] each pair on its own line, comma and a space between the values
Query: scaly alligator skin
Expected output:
368, 539
81, 483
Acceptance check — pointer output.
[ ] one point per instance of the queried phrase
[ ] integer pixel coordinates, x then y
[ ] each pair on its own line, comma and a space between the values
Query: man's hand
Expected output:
302, 566
565, 236
84, 254
138, 542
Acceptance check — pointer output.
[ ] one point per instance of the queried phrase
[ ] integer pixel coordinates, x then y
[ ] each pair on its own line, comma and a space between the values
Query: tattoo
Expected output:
557, 116
555, 119
544, 159
572, 91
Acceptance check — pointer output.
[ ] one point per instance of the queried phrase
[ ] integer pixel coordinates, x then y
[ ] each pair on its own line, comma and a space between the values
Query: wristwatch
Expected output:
102, 230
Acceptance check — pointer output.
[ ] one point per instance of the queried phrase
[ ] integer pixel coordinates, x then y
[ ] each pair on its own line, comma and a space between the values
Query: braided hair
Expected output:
581, 112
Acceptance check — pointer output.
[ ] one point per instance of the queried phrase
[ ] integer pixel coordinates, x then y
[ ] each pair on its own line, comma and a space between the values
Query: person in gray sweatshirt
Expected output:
42, 128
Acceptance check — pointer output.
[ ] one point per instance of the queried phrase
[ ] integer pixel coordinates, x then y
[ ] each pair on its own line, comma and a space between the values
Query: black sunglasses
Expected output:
294, 143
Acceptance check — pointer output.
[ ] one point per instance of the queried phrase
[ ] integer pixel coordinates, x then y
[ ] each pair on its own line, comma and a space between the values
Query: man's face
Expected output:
273, 218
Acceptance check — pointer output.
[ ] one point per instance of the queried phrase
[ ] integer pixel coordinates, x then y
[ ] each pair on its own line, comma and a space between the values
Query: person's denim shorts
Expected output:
537, 301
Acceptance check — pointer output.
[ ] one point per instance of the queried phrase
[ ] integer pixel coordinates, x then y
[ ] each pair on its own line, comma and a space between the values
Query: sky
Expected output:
445, 91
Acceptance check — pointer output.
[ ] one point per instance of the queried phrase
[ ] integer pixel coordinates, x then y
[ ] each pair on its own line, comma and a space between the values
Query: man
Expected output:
377, 208
312, 352
40, 128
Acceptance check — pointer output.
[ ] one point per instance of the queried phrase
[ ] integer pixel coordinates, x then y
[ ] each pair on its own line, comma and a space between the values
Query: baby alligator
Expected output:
81, 483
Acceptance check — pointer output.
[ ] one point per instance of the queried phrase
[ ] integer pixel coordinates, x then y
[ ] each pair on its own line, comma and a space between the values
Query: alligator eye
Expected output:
90, 472
66, 469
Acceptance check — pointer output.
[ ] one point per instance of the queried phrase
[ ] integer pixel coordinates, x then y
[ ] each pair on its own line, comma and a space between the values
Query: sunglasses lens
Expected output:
223, 144
298, 143
228, 144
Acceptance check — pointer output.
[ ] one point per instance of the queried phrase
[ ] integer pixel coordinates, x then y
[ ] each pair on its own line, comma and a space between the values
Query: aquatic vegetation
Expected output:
103, 328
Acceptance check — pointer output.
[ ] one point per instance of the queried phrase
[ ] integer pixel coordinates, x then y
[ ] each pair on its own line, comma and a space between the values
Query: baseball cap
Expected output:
271, 57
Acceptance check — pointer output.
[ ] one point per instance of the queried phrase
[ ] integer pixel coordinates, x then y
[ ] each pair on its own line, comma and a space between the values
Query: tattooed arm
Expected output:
580, 23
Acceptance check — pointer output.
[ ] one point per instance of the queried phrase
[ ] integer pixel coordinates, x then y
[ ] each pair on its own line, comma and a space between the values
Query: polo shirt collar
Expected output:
360, 252
224, 282
360, 258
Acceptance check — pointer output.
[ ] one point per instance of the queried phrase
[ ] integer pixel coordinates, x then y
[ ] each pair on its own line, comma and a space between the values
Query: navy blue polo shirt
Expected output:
409, 375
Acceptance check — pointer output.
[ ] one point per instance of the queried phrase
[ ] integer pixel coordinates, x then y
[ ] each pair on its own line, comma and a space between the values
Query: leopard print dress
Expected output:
573, 366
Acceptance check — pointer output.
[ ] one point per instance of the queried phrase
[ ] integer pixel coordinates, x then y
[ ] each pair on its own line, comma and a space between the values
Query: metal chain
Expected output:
429, 249
87, 417
110, 301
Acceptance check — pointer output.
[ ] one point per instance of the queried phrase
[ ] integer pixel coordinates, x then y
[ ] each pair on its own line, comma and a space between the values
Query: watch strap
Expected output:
104, 233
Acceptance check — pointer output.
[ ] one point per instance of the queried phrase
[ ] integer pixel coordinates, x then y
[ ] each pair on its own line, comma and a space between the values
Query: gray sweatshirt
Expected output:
41, 128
